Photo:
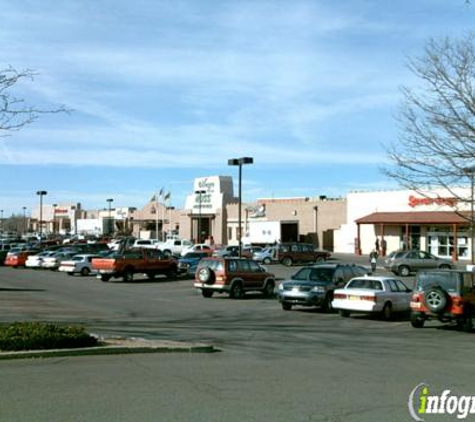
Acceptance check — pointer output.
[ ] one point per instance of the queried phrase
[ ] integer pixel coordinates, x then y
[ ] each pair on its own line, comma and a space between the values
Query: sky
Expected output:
162, 92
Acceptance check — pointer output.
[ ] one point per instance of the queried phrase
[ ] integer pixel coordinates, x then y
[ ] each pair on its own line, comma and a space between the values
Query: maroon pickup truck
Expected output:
125, 264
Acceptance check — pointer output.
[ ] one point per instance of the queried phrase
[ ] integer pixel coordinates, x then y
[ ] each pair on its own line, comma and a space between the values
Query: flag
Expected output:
153, 198
160, 193
167, 196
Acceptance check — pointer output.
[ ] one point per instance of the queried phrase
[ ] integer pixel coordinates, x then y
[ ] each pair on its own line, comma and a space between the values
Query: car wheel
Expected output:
70, 273
128, 276
467, 324
344, 313
105, 278
287, 261
445, 267
206, 275
327, 303
286, 306
207, 293
85, 271
266, 261
236, 292
435, 299
320, 260
172, 274
269, 289
417, 321
403, 271
151, 276
387, 311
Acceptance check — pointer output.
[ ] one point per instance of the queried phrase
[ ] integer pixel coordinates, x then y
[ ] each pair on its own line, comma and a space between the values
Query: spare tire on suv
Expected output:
436, 299
206, 275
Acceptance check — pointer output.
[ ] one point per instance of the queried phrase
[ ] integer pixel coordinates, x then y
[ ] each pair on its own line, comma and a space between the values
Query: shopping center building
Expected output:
437, 222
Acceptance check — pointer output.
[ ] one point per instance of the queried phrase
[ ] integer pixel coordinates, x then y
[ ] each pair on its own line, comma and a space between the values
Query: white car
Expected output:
145, 243
384, 295
78, 264
53, 261
36, 261
199, 247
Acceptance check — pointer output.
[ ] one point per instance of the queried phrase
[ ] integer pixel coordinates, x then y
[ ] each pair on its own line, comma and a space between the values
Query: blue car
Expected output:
189, 263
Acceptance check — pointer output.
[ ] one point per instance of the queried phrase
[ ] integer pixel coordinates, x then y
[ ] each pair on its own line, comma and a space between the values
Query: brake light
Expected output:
416, 297
370, 298
457, 301
339, 296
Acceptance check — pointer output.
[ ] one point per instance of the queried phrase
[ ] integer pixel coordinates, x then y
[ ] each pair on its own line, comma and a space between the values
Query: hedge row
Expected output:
40, 336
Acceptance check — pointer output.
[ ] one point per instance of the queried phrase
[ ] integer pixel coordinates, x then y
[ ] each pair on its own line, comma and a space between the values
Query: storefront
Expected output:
437, 222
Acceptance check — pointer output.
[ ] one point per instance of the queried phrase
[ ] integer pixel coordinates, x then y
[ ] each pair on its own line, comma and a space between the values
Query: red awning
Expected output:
424, 217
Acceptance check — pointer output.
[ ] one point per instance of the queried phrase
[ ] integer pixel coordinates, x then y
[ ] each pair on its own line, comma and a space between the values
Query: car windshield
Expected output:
445, 279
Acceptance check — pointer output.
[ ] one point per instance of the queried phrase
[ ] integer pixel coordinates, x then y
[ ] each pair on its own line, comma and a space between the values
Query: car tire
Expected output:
287, 261
344, 313
70, 273
320, 260
266, 261
206, 275
417, 320
404, 271
286, 306
128, 275
327, 303
445, 267
150, 276
105, 278
237, 291
172, 274
269, 289
436, 299
207, 293
85, 271
387, 311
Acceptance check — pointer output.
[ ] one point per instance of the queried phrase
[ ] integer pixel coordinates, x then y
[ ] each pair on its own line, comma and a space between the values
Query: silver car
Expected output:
403, 263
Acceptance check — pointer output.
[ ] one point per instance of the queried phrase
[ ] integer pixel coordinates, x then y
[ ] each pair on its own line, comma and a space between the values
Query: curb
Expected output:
114, 347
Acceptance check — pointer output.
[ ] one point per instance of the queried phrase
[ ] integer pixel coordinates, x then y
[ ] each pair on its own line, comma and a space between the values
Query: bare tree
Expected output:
14, 112
437, 120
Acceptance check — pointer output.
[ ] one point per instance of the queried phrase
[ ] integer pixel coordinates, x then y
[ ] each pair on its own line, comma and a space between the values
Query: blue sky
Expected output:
166, 91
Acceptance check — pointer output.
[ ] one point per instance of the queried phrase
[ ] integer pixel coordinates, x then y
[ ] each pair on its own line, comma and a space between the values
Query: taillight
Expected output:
339, 296
370, 298
416, 297
457, 301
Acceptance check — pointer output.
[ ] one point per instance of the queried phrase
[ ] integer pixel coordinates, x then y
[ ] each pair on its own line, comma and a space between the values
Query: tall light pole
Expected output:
1, 211
54, 218
199, 192
109, 228
41, 193
240, 162
24, 220
470, 171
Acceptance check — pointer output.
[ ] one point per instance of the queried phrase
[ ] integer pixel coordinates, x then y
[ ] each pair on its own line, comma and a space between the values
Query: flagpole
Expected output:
156, 219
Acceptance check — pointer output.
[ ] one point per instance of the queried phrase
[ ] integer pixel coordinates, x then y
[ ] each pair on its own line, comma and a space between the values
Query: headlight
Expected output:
318, 289
281, 286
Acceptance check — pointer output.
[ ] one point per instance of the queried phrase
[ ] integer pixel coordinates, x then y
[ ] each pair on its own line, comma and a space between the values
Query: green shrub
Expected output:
35, 336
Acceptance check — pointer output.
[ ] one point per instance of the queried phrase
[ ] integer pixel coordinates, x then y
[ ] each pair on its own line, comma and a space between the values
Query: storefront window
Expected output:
442, 244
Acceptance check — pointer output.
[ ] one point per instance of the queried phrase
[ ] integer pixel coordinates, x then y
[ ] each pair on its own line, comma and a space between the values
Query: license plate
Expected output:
416, 305
354, 298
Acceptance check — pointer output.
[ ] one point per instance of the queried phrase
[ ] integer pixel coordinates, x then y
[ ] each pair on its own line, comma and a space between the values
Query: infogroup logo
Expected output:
422, 402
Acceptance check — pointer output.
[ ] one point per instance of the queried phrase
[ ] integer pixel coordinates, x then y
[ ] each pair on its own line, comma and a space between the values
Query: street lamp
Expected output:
240, 162
470, 171
41, 193
24, 220
1, 211
54, 218
199, 192
109, 228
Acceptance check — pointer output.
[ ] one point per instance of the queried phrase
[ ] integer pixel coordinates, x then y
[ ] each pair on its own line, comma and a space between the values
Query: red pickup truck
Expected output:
125, 264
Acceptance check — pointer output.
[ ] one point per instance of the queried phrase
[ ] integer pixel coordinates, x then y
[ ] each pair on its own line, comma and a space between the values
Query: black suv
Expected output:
314, 285
448, 295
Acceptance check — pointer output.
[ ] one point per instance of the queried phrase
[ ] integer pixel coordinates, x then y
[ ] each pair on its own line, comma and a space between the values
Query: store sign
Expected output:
207, 185
416, 202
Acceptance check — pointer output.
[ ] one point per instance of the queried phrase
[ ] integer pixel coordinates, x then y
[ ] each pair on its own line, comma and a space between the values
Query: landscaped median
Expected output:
32, 339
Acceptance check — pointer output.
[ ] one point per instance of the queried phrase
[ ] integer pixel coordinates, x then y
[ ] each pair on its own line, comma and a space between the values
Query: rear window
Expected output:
445, 279
364, 283
214, 264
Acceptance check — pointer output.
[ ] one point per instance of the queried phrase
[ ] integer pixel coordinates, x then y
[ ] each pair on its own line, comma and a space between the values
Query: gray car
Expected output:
314, 285
403, 263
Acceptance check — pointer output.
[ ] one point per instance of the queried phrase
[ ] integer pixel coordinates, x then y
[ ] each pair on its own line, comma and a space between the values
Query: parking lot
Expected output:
298, 365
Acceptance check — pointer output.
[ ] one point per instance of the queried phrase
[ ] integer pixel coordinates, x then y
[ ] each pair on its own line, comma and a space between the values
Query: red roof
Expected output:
422, 217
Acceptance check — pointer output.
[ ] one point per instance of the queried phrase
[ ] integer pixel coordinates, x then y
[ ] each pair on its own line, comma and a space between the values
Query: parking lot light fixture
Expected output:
240, 162
41, 193
109, 228
199, 192
470, 171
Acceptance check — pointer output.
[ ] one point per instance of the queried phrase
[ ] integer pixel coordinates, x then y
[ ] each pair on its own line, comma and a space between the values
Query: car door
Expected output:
256, 274
393, 294
427, 261
405, 296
